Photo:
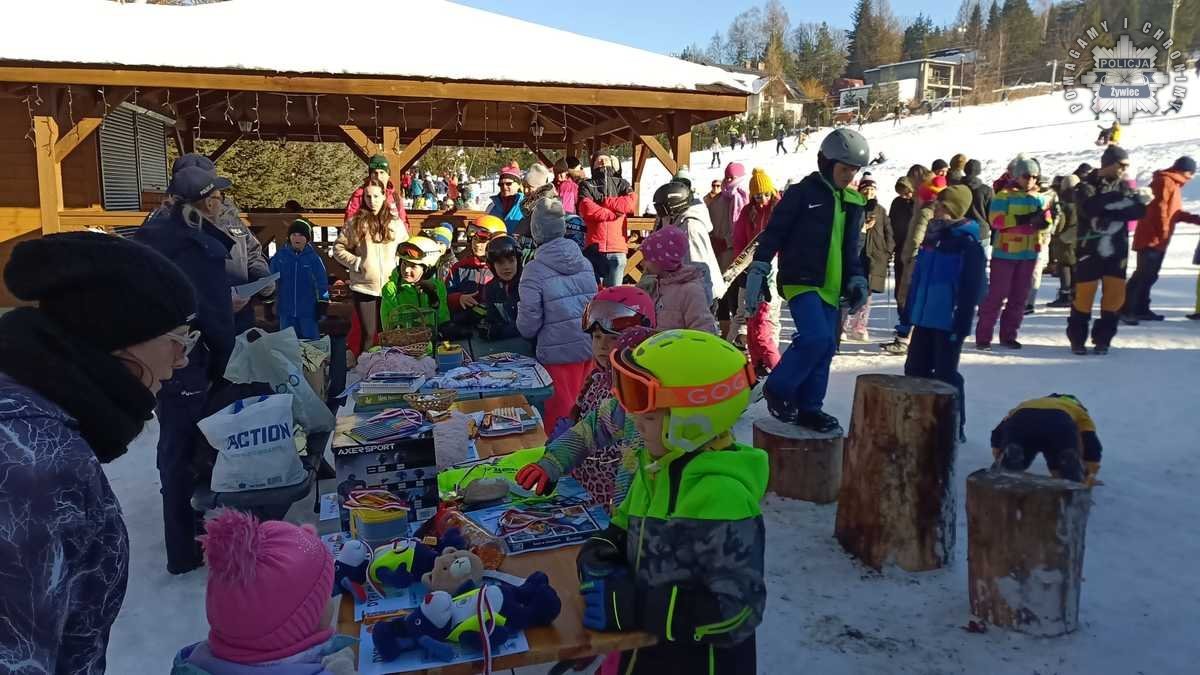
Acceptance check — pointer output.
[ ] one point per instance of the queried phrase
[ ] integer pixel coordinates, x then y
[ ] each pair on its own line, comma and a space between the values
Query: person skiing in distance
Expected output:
814, 230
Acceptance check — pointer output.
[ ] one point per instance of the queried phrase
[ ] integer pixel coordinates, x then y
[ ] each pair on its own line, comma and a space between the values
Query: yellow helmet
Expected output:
486, 227
419, 250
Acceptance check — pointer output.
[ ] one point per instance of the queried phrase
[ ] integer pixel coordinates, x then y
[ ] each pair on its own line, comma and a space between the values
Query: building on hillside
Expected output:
936, 78
771, 96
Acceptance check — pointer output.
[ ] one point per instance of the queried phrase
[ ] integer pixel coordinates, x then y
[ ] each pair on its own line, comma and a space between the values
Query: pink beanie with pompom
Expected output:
666, 247
268, 587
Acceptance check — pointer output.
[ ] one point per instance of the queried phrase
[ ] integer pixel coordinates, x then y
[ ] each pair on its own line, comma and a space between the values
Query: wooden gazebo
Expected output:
267, 69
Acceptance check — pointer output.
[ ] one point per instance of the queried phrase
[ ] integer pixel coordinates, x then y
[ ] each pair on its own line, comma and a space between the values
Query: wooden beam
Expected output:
358, 141
639, 166
415, 150
537, 151
391, 148
49, 169
681, 138
732, 102
78, 134
660, 153
224, 146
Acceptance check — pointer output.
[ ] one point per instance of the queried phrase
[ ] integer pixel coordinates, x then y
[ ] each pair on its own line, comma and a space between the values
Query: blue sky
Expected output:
668, 25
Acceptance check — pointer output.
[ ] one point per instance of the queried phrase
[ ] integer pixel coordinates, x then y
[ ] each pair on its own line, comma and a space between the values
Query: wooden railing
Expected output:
272, 226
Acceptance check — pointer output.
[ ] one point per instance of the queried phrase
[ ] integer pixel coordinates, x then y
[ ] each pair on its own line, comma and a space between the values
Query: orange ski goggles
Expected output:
641, 392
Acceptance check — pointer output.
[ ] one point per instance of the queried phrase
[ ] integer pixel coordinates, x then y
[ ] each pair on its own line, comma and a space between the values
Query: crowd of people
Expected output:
652, 374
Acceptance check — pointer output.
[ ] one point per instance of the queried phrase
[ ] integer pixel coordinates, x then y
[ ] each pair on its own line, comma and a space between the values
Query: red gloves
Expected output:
534, 477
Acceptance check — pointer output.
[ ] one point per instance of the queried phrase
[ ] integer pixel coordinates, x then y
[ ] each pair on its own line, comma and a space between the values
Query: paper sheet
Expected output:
251, 289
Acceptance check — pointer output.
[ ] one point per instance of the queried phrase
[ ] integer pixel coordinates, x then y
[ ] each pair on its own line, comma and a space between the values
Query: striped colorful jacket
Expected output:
1017, 217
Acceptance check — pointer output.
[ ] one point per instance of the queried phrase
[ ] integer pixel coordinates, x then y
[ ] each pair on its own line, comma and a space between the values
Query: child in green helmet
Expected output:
683, 558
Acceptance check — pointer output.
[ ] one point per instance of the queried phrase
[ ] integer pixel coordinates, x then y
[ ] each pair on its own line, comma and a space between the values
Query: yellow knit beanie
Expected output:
760, 183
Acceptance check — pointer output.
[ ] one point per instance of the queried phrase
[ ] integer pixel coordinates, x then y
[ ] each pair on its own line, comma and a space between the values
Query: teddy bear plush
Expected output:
454, 572
443, 620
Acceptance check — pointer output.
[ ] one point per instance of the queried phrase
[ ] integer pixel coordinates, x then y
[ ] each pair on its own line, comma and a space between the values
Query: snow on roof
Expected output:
427, 39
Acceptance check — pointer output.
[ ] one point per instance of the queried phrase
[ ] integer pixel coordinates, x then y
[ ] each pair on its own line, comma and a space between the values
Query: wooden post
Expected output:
49, 169
897, 497
1025, 543
805, 464
225, 146
391, 150
640, 153
681, 138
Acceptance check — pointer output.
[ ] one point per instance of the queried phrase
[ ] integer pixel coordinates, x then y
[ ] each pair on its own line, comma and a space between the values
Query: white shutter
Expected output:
151, 154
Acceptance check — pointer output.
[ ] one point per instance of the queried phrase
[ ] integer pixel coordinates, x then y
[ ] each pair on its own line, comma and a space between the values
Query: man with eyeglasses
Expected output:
1106, 203
507, 204
185, 232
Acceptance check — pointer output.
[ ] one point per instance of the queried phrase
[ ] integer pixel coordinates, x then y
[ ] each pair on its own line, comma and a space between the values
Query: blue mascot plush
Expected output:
443, 620
403, 562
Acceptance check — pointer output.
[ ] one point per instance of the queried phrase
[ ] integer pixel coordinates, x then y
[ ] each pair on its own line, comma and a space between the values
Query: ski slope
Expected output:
827, 614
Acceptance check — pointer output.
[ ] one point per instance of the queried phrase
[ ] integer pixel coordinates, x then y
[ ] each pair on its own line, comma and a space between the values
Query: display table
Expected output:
566, 638
503, 445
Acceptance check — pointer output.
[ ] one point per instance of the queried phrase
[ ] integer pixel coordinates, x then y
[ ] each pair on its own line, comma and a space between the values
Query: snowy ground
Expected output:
828, 614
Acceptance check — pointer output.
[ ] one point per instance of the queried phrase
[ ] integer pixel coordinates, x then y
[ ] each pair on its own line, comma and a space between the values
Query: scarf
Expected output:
94, 387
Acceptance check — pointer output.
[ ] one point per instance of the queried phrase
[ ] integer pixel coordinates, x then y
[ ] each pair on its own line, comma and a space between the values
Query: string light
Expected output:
228, 109
458, 116
349, 112
135, 96
375, 121
257, 121
71, 109
564, 124
167, 102
31, 135
404, 117
199, 116
317, 115
287, 101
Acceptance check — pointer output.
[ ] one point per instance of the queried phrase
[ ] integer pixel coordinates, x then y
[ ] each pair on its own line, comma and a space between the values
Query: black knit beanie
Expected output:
301, 226
1113, 154
106, 290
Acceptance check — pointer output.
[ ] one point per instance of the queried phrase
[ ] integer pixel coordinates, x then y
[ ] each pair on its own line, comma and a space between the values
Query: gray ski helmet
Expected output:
1024, 165
672, 199
846, 146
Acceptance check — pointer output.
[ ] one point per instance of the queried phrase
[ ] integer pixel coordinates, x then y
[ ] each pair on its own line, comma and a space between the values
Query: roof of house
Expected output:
945, 62
428, 39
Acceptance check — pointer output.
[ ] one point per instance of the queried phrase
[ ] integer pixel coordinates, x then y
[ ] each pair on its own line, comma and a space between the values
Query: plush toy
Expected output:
454, 572
403, 562
442, 619
350, 569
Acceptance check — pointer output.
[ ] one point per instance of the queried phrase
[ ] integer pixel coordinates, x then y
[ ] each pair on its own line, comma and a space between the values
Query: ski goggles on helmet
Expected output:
184, 338
641, 392
611, 317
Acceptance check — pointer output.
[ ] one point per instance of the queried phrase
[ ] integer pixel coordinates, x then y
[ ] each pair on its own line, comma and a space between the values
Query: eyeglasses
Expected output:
640, 392
506, 183
611, 317
186, 339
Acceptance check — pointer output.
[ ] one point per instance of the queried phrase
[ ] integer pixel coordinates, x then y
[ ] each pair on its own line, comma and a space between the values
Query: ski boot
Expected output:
781, 410
819, 421
897, 347
1062, 301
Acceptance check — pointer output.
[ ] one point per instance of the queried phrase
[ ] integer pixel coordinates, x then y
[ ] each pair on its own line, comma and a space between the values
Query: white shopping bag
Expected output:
275, 358
255, 450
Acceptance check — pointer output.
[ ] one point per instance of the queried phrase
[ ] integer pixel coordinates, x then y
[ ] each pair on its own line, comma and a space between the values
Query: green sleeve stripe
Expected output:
671, 614
727, 626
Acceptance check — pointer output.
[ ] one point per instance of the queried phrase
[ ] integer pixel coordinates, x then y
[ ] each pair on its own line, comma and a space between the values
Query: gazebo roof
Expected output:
426, 39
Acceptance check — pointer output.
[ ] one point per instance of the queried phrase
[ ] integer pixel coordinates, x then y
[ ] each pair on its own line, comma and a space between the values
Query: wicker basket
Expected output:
417, 349
403, 337
435, 399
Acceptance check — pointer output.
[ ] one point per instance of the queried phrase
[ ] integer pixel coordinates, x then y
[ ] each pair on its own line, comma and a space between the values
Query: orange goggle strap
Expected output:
627, 376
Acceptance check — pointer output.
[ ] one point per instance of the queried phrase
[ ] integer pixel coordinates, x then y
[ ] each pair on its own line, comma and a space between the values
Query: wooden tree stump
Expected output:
897, 496
805, 464
1025, 542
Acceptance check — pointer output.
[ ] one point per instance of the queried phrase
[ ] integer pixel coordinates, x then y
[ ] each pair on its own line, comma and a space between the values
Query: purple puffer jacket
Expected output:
555, 288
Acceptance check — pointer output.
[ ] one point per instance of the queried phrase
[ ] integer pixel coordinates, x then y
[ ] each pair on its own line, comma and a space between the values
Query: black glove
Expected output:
322, 308
430, 290
602, 553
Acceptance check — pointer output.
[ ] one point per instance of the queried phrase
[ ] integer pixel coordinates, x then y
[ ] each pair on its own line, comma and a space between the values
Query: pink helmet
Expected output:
618, 307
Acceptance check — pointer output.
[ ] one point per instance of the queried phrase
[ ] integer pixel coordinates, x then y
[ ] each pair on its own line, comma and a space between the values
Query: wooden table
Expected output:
503, 445
565, 639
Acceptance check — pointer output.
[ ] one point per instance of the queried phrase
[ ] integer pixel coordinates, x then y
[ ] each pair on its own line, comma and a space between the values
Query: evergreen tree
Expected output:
974, 27
861, 40
1022, 44
915, 38
994, 24
830, 53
